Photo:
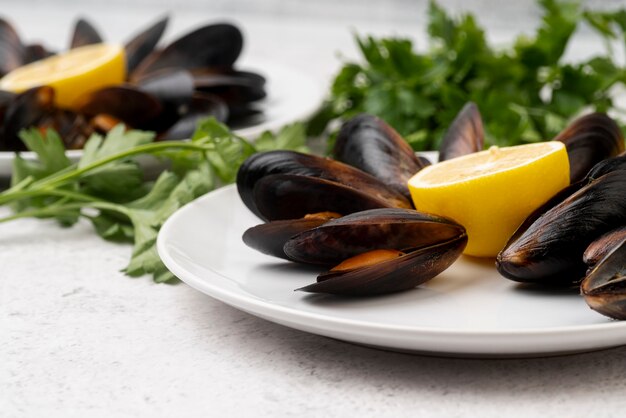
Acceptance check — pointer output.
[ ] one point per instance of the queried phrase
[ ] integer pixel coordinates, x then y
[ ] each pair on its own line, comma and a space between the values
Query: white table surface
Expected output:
79, 339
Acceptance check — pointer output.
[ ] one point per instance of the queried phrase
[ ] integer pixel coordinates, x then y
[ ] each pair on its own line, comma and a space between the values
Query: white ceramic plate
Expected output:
291, 96
469, 310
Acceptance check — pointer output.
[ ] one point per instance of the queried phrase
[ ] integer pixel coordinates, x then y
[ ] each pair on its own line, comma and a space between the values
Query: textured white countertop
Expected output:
79, 339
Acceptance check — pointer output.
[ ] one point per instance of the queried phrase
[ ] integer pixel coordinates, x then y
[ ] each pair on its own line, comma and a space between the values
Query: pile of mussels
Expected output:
167, 90
354, 213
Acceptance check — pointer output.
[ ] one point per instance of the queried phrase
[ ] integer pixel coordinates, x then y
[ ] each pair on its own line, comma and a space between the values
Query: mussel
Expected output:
465, 135
589, 140
370, 144
599, 248
550, 249
314, 179
604, 288
168, 91
378, 251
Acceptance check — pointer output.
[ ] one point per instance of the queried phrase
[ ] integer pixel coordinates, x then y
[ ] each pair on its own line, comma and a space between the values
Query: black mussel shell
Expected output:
175, 92
234, 87
25, 110
290, 162
11, 48
201, 107
35, 52
607, 166
550, 250
599, 248
84, 34
395, 275
271, 237
217, 45
289, 196
465, 135
370, 144
604, 288
589, 140
351, 235
125, 102
142, 44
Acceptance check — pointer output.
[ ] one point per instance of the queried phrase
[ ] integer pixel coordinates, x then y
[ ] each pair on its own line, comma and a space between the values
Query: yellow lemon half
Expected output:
71, 74
492, 192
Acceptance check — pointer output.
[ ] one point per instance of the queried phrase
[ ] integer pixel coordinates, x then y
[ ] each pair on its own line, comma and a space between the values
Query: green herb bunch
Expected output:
525, 93
108, 185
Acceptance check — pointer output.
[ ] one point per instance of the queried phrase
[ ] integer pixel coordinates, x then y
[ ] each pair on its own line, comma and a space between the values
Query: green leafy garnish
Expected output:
525, 93
107, 185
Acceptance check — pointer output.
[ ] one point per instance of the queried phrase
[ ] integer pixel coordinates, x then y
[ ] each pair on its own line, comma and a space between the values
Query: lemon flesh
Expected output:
71, 74
492, 192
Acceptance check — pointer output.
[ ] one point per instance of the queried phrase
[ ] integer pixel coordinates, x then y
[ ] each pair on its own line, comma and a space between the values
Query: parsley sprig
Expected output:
107, 185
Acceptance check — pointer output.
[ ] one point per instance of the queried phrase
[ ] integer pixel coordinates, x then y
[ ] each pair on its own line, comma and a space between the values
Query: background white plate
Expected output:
291, 96
469, 310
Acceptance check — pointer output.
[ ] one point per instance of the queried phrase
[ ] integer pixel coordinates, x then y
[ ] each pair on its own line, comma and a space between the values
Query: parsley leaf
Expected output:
525, 92
108, 186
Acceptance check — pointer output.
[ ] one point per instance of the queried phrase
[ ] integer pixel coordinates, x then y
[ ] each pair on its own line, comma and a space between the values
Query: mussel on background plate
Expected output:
167, 89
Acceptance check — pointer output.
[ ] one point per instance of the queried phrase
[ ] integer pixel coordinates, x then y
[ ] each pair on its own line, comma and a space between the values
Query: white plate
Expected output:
291, 96
469, 310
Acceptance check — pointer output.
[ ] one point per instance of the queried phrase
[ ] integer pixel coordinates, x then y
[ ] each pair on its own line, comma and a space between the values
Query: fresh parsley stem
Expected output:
61, 177
64, 209
10, 196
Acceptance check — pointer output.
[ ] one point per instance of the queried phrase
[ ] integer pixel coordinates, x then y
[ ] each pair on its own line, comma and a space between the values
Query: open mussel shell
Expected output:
142, 44
290, 162
465, 135
589, 140
402, 273
354, 234
11, 48
550, 250
84, 34
25, 110
289, 196
370, 144
234, 87
217, 45
201, 107
604, 288
270, 238
125, 102
599, 248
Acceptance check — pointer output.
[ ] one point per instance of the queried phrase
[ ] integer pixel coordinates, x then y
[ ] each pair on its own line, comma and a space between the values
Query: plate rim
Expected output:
259, 307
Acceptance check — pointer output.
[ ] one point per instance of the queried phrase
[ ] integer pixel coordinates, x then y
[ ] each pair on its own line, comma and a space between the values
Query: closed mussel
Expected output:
321, 174
550, 250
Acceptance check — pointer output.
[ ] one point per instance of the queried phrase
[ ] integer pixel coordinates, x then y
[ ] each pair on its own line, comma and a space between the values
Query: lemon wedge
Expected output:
71, 74
492, 192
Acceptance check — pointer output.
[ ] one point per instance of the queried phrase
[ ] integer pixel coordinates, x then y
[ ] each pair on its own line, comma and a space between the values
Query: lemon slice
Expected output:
492, 192
71, 74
